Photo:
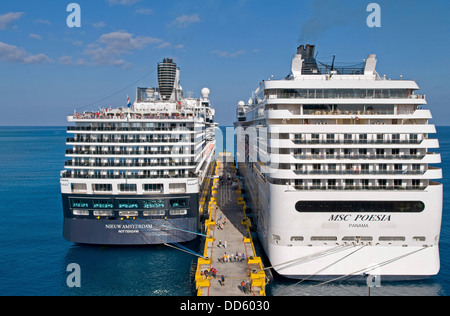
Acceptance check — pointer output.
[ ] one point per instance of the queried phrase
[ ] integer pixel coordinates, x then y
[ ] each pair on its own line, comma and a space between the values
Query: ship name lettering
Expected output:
373, 218
340, 218
360, 218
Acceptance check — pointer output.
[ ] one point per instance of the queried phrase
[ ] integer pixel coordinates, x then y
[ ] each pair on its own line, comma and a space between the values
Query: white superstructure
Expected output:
338, 167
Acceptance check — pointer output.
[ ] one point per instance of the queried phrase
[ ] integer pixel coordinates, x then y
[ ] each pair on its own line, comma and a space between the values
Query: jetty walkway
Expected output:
229, 249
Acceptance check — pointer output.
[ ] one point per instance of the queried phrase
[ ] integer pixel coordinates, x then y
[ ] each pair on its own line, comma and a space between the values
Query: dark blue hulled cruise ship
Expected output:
136, 173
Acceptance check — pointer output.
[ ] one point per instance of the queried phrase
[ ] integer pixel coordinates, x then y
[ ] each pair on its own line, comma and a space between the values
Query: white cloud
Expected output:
122, 2
225, 54
11, 53
35, 36
186, 20
68, 60
42, 21
9, 18
164, 45
110, 47
144, 11
99, 24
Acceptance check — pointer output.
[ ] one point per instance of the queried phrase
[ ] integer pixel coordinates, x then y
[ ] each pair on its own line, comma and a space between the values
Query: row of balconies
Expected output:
290, 114
128, 152
178, 174
359, 157
355, 141
131, 129
361, 187
129, 140
129, 165
359, 172
430, 173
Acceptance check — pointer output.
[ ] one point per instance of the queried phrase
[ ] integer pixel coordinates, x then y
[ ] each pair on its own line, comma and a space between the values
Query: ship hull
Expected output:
296, 246
136, 229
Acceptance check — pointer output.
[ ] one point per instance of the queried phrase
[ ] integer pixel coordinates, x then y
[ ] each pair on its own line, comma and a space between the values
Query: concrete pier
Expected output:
229, 248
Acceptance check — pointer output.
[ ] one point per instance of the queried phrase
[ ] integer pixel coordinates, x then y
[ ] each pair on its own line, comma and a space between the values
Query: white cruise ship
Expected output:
338, 169
136, 173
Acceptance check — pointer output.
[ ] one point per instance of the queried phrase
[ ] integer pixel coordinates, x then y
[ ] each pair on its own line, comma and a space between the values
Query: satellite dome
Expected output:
241, 103
205, 93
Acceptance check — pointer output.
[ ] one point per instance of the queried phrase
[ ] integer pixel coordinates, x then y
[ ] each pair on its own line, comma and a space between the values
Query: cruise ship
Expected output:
136, 173
339, 172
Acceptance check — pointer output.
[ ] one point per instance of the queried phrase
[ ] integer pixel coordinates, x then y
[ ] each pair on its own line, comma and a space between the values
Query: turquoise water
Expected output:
34, 255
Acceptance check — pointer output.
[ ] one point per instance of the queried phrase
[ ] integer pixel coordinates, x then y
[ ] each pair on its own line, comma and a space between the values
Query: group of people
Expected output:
238, 257
221, 223
246, 287
222, 245
228, 180
209, 273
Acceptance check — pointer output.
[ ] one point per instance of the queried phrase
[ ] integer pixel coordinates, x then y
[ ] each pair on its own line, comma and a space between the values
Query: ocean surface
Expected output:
34, 256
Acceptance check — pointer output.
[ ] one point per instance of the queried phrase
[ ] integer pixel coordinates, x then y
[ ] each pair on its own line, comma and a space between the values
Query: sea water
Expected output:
34, 256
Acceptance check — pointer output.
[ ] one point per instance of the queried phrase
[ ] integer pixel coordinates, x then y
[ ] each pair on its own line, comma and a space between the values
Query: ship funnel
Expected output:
167, 75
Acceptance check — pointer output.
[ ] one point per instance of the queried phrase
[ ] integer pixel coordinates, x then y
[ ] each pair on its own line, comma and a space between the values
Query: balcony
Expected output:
128, 129
127, 165
359, 188
359, 157
75, 175
128, 140
125, 152
356, 142
359, 172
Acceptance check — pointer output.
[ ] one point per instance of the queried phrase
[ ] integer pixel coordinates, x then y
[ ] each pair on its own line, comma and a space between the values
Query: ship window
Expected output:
79, 187
178, 212
179, 203
323, 238
128, 204
155, 213
79, 203
80, 213
129, 213
154, 188
127, 187
391, 238
102, 204
360, 206
357, 238
154, 204
103, 213
102, 187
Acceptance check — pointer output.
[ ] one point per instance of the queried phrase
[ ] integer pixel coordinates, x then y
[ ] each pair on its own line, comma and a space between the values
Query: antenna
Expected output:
332, 65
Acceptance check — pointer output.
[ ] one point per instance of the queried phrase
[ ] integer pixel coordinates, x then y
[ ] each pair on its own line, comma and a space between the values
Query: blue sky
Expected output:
48, 69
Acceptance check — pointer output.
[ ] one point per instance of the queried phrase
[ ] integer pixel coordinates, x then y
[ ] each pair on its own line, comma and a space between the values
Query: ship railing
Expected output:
125, 152
144, 164
125, 141
123, 176
359, 172
361, 141
130, 129
354, 188
358, 157
339, 112
132, 116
